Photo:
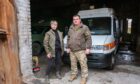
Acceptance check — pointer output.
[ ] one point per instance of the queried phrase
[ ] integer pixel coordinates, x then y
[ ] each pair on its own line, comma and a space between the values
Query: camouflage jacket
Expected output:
49, 42
79, 38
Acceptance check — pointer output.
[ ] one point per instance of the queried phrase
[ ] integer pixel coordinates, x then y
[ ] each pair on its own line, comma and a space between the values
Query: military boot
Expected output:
83, 81
58, 75
72, 77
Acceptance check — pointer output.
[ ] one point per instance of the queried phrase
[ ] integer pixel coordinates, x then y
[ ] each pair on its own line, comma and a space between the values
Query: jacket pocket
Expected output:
82, 44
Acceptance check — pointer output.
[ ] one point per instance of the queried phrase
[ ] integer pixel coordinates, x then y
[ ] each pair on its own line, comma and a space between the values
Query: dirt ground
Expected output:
126, 73
122, 74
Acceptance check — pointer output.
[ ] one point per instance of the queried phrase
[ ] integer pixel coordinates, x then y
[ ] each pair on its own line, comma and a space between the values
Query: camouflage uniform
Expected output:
81, 57
79, 39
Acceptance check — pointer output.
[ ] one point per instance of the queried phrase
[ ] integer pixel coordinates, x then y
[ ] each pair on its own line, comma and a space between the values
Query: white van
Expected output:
104, 29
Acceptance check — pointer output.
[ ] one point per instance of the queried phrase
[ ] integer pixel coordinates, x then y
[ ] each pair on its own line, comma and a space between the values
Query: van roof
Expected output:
100, 12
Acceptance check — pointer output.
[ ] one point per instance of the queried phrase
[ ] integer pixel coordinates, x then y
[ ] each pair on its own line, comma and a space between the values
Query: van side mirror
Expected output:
115, 34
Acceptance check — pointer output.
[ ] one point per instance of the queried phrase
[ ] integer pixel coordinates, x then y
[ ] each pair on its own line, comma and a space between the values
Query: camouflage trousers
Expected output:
81, 57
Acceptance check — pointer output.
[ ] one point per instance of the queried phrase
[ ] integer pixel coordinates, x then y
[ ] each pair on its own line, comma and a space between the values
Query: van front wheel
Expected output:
36, 48
112, 64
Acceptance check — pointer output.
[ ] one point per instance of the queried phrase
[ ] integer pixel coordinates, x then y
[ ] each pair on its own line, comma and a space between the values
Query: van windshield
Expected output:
98, 26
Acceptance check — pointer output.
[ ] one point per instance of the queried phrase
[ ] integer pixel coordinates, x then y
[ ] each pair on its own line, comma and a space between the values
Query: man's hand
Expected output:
68, 50
49, 55
87, 51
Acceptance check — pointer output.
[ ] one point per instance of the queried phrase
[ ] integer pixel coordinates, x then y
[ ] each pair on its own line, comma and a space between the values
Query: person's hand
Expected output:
68, 50
49, 55
87, 51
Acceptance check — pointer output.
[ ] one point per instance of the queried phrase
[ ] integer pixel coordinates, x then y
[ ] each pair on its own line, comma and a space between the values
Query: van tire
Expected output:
36, 48
112, 65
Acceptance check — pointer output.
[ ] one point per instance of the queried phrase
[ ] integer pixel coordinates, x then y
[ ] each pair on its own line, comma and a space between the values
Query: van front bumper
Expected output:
99, 60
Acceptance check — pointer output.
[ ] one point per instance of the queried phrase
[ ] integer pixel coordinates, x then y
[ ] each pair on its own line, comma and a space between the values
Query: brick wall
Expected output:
25, 42
24, 32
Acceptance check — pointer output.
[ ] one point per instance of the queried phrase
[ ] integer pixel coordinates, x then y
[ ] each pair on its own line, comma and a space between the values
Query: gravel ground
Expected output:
122, 74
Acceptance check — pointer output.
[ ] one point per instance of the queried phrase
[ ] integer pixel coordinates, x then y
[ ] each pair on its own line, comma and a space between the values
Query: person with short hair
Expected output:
54, 47
78, 45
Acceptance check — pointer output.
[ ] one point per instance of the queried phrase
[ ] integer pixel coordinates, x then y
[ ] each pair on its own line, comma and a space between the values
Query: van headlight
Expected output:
104, 47
109, 45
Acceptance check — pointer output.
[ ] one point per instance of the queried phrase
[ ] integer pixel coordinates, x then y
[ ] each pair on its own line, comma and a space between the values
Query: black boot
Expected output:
58, 75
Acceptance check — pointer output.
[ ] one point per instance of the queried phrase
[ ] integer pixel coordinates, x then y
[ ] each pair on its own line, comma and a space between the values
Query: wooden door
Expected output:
9, 57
